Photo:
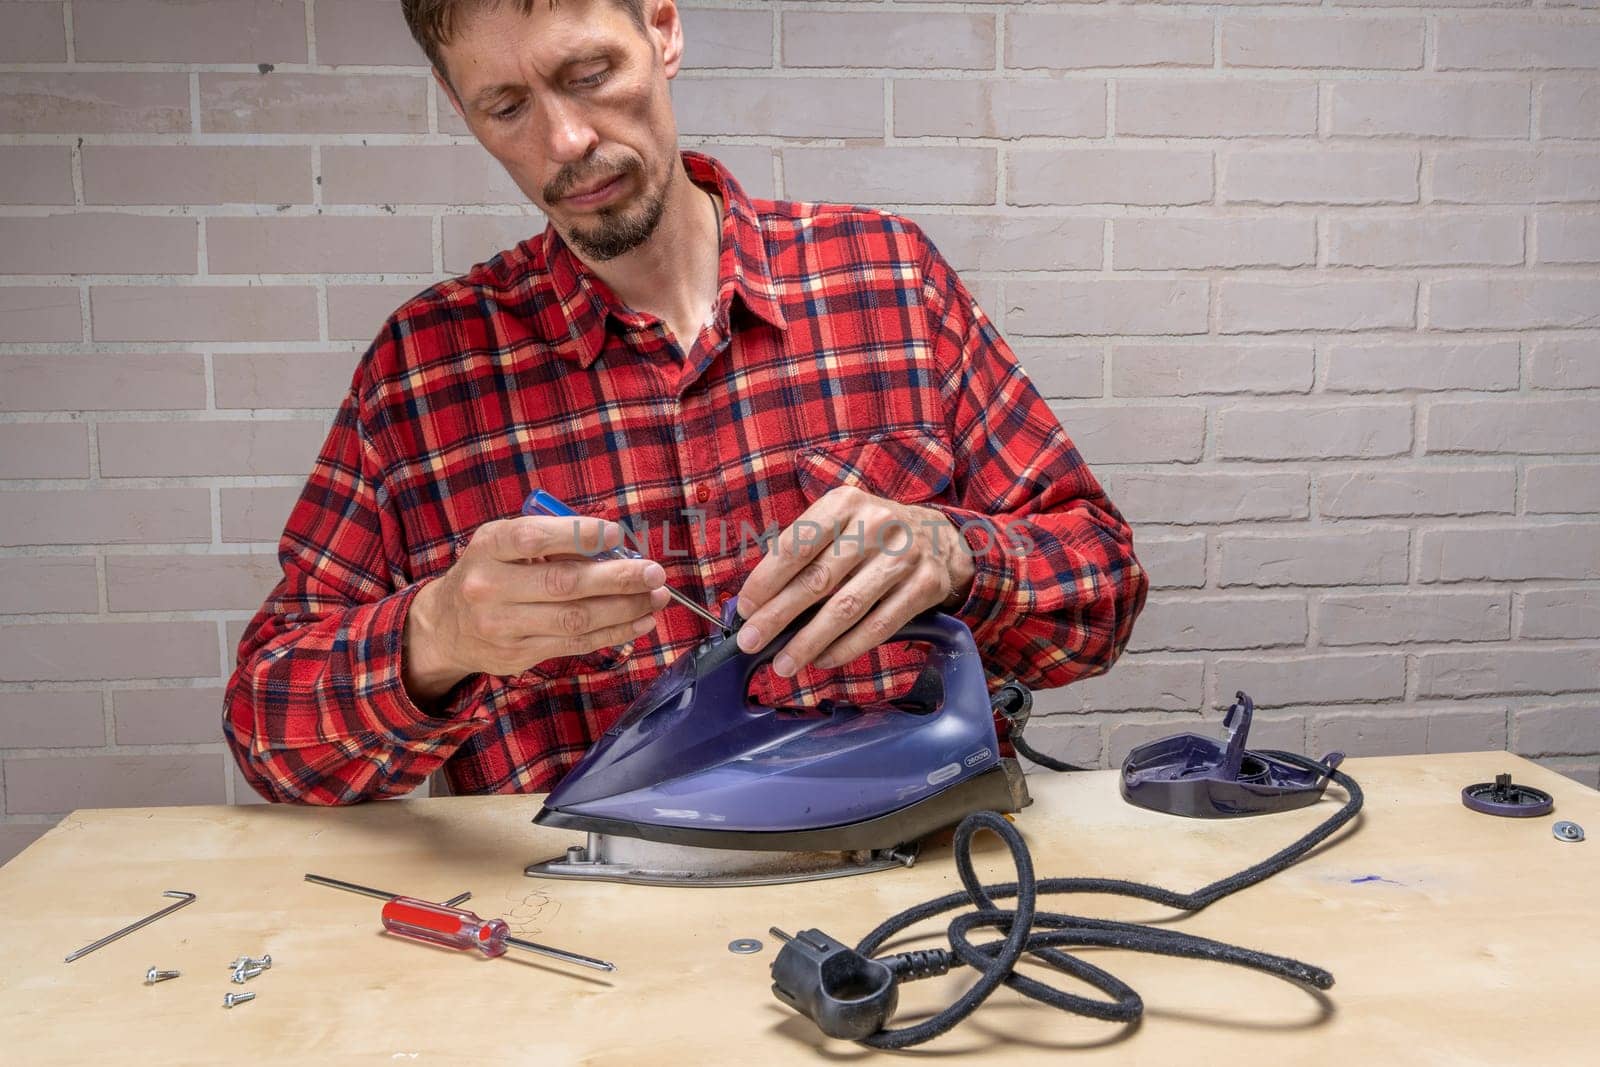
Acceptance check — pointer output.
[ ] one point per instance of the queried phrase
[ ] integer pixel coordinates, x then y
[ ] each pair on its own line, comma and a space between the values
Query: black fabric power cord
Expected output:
851, 994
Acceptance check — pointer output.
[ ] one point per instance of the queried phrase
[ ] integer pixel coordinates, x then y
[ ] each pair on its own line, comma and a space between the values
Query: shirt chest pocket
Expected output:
909, 466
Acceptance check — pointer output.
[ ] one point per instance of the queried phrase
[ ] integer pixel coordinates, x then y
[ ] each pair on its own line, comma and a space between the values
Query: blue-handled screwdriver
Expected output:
540, 502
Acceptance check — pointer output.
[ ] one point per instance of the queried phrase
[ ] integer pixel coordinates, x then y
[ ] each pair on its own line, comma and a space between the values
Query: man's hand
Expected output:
877, 562
521, 592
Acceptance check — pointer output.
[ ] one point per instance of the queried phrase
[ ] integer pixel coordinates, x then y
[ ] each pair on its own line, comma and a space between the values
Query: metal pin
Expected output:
779, 934
366, 890
188, 898
722, 627
560, 954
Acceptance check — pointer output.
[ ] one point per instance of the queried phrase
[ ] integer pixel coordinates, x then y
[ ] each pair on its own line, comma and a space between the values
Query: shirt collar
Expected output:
583, 302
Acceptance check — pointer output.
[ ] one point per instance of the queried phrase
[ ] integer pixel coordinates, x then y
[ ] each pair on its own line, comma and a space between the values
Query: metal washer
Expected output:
744, 946
1567, 831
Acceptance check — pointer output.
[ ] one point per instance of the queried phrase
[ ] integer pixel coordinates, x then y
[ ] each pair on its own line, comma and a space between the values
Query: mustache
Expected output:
588, 172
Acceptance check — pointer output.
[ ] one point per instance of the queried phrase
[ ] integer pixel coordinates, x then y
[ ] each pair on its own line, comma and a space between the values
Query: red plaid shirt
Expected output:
843, 350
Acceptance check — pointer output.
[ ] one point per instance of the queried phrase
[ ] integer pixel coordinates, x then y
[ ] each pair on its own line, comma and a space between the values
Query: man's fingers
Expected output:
803, 541
533, 536
513, 655
813, 582
843, 613
876, 627
567, 579
606, 637
575, 618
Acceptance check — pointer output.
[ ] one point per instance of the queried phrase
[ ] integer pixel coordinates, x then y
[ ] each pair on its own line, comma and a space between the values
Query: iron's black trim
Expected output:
1002, 788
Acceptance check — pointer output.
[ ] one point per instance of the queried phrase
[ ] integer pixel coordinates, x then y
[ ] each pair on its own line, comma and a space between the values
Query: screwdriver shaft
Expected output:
367, 890
560, 954
697, 609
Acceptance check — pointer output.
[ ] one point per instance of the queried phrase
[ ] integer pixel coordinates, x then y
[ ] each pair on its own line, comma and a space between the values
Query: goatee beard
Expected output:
619, 230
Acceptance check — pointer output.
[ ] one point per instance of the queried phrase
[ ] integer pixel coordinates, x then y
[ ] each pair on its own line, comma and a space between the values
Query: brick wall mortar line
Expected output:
1242, 210
209, 370
76, 158
109, 720
147, 348
86, 323
114, 749
889, 137
421, 279
102, 593
1307, 141
311, 32
66, 20
218, 615
215, 501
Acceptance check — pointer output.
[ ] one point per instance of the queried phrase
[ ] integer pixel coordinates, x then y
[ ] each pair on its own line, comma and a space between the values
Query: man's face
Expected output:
573, 102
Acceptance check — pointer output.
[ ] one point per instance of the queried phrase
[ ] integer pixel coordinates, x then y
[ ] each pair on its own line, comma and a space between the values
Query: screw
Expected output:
265, 962
243, 974
154, 975
230, 999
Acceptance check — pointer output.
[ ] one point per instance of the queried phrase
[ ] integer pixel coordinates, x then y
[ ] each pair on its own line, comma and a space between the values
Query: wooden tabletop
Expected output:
1455, 938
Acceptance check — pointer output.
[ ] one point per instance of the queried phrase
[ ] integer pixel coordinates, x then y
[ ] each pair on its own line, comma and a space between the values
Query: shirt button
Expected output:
702, 492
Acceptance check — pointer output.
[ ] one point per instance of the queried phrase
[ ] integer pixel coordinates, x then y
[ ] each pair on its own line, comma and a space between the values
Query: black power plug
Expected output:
846, 994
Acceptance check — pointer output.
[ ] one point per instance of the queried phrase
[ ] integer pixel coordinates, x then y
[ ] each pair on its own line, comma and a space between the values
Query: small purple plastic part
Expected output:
1200, 778
693, 751
1501, 797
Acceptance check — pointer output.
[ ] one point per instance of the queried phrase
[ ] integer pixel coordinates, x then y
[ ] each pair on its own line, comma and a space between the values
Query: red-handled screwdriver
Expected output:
455, 928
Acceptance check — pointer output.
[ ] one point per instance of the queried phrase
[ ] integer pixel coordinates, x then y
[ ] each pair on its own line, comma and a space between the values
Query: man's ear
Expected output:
665, 29
450, 94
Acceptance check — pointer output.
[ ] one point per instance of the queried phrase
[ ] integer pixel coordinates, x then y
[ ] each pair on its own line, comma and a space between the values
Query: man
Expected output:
675, 356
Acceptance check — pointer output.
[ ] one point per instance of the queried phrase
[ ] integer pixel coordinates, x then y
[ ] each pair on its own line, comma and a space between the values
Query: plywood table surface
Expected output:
1455, 938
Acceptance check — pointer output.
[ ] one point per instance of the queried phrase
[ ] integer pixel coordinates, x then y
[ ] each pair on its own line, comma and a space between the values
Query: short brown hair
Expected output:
433, 22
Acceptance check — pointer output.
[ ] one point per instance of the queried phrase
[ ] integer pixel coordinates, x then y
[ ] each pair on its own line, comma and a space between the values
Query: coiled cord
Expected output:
997, 960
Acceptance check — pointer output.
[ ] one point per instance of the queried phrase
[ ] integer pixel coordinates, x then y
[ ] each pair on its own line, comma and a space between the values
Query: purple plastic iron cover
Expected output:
695, 761
1202, 778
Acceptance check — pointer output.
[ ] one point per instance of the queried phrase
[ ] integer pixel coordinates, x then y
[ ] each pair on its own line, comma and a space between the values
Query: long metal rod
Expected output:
367, 890
560, 954
185, 901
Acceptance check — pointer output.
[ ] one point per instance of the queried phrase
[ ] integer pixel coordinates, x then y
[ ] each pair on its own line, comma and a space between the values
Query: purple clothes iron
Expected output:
1195, 776
697, 785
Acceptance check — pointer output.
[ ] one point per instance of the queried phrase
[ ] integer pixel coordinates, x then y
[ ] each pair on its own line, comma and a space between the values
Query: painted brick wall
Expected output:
1315, 287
